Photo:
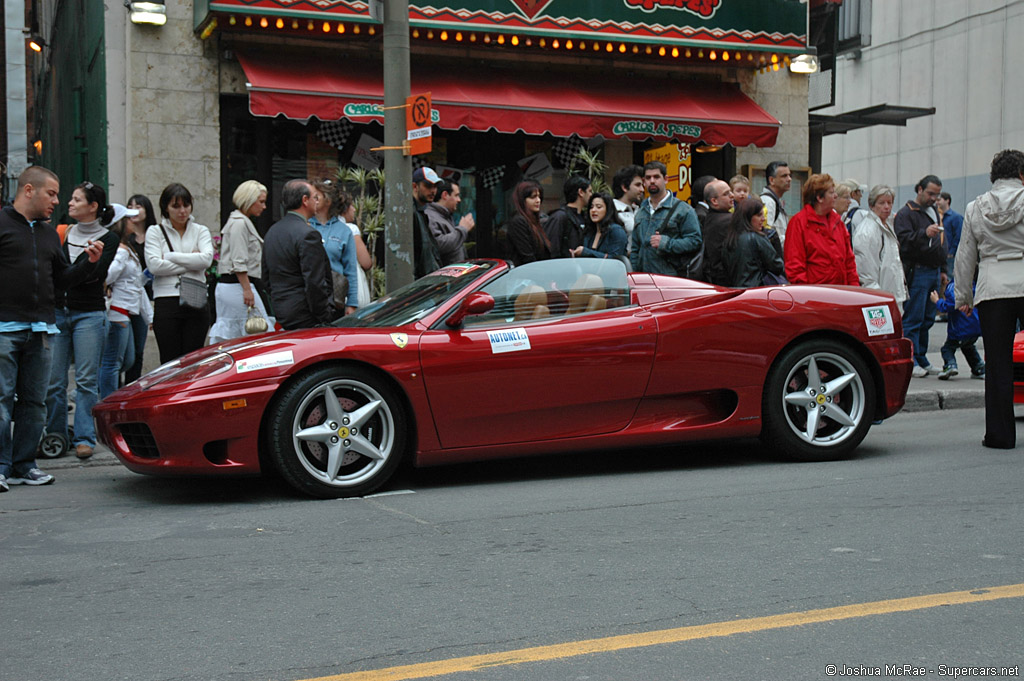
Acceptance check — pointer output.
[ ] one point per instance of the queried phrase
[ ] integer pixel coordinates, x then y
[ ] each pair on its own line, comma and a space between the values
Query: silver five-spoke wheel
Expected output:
337, 432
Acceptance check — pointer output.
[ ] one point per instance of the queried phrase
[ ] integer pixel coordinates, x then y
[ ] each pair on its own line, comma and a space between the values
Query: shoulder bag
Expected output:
192, 293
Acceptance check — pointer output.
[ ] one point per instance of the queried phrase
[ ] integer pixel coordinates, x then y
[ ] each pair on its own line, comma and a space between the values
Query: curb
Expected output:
933, 400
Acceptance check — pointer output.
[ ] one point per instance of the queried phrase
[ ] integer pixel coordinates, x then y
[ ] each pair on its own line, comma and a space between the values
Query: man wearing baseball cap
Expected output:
426, 254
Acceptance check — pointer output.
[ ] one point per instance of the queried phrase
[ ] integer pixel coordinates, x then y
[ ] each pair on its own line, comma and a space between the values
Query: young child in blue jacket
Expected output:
962, 331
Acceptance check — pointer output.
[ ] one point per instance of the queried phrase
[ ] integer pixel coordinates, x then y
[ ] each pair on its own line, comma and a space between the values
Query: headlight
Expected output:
173, 372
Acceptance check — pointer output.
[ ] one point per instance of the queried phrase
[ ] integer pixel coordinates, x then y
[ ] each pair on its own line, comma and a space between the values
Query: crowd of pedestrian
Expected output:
88, 294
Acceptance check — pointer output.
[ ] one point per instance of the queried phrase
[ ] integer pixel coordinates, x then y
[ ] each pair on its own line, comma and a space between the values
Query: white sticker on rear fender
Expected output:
274, 359
508, 340
878, 320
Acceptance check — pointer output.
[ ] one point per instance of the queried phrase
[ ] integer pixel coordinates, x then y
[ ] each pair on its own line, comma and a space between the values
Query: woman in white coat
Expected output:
876, 248
992, 243
176, 248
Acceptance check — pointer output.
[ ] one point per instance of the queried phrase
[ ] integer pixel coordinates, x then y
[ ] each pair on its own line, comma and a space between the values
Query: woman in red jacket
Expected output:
817, 246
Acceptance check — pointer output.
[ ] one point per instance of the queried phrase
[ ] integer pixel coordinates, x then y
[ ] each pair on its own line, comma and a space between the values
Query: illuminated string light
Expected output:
327, 27
713, 56
501, 39
355, 29
372, 30
430, 35
568, 44
472, 37
775, 59
458, 36
309, 26
248, 21
415, 33
688, 53
279, 23
675, 52
444, 35
515, 41
555, 44
263, 22
295, 24
725, 55
341, 27
622, 48
608, 47
648, 50
529, 42
700, 54
661, 51
231, 20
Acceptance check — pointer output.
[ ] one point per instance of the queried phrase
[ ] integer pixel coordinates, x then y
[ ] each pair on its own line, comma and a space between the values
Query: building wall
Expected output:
164, 111
783, 95
959, 57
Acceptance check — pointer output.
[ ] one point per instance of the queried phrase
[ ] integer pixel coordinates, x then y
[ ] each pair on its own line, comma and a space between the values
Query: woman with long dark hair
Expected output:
746, 253
177, 247
135, 235
82, 320
605, 236
526, 237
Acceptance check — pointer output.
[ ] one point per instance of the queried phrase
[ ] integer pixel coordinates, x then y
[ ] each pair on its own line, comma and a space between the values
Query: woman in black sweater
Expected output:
82, 320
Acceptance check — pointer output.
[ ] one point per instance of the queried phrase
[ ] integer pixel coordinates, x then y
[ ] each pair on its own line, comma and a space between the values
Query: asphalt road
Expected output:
107, 575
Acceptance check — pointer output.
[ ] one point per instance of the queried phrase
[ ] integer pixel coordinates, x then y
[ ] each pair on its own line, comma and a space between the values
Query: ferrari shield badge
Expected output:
508, 340
400, 339
878, 320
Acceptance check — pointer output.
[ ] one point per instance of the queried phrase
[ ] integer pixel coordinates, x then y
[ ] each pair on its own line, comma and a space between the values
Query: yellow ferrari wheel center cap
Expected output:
820, 399
343, 432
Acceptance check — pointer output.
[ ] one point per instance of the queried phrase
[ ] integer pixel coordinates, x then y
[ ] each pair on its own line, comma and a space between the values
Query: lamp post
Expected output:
398, 236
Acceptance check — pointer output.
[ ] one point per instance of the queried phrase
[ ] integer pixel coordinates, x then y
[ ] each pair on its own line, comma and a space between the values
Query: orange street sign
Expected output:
417, 124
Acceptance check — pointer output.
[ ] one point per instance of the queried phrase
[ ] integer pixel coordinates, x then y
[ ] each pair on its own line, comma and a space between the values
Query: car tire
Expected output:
818, 420
345, 451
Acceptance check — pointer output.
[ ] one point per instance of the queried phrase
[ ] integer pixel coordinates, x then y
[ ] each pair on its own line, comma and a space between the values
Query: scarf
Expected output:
79, 235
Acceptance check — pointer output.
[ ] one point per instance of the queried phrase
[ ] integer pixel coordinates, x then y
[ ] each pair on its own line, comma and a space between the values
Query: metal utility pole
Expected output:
398, 209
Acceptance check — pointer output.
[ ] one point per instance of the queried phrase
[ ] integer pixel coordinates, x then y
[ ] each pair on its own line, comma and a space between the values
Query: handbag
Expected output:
191, 292
255, 321
340, 282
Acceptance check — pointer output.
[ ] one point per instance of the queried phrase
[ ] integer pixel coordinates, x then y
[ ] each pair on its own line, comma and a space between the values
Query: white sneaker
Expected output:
33, 477
933, 370
919, 372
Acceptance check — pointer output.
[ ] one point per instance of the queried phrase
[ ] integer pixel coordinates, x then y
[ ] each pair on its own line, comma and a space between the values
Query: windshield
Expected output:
419, 298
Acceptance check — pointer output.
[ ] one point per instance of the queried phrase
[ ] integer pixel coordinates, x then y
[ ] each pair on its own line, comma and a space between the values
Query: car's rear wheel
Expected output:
337, 432
818, 403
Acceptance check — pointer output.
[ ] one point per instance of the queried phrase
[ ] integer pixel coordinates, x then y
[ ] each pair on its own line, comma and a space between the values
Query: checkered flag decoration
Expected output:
335, 133
491, 177
566, 148
418, 162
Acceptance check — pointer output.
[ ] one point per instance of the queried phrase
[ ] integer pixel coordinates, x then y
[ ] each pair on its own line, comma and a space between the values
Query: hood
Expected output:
1003, 206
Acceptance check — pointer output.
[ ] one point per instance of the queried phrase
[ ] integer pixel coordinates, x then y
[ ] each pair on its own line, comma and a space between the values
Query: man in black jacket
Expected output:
295, 265
34, 264
923, 251
718, 196
565, 225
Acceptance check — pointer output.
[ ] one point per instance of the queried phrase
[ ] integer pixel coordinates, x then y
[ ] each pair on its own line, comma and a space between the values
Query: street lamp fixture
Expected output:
36, 42
152, 13
805, 63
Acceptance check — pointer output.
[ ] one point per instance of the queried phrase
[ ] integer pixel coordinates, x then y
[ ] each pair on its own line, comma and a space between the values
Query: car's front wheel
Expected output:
337, 432
818, 403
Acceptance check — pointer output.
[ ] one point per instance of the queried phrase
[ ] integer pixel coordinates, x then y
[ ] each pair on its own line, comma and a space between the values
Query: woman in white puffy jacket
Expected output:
876, 248
176, 248
126, 298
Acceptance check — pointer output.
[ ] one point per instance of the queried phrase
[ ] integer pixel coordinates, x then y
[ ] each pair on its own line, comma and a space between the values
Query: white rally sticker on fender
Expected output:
508, 340
878, 320
274, 359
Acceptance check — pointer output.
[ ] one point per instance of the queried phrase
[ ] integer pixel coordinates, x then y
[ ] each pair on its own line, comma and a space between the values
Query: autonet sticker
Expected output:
508, 340
878, 320
274, 359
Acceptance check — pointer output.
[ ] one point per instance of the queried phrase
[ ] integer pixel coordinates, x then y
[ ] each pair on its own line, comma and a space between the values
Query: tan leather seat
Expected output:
586, 295
531, 303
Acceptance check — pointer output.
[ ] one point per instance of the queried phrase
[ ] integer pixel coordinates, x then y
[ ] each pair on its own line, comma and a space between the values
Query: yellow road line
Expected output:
654, 638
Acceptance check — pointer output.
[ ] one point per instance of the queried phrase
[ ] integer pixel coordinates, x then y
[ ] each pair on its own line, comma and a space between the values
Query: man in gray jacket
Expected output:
666, 234
451, 238
295, 265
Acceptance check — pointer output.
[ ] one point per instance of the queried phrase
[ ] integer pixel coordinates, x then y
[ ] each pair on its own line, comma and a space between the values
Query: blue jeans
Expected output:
25, 371
118, 355
140, 330
966, 346
83, 334
919, 310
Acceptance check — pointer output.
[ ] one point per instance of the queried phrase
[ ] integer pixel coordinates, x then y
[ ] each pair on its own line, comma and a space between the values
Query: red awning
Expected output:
512, 100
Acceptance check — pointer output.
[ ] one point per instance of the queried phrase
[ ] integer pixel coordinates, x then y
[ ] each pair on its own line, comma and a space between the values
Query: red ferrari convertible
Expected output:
482, 360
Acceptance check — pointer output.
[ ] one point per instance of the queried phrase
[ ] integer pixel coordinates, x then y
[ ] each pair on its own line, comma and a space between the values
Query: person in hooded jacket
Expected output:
992, 244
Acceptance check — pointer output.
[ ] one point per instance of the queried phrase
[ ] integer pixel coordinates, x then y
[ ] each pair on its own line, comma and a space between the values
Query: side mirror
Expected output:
477, 302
